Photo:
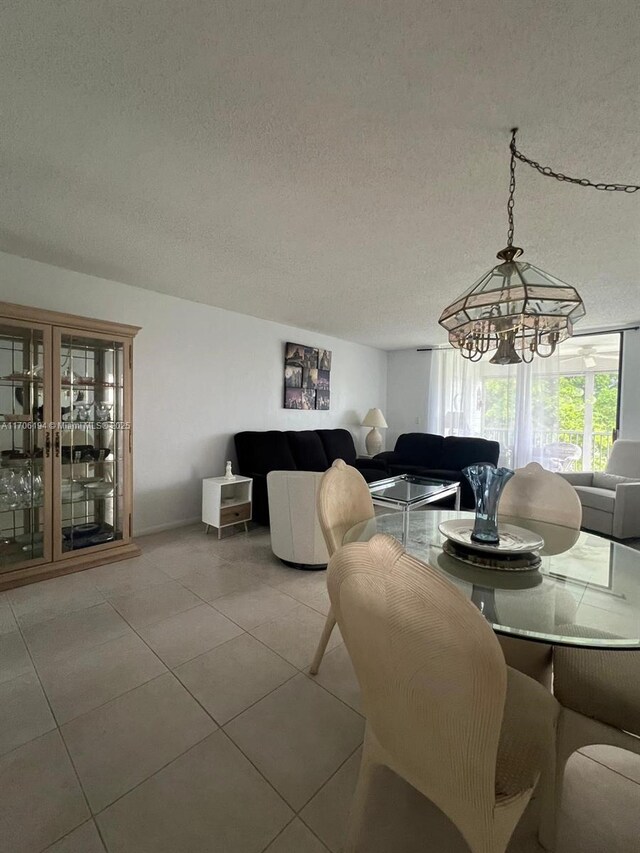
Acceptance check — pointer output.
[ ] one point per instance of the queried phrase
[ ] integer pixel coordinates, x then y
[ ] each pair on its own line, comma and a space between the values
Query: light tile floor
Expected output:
163, 704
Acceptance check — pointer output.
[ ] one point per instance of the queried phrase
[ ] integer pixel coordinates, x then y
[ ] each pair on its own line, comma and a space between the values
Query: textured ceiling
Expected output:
339, 165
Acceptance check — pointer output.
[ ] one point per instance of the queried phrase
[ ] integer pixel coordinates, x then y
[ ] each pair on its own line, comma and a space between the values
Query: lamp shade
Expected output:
374, 418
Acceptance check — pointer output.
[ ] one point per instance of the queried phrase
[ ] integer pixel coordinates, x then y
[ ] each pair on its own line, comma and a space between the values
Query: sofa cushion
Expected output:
624, 458
442, 474
261, 452
338, 444
467, 499
602, 480
395, 470
602, 499
458, 452
372, 475
307, 451
418, 448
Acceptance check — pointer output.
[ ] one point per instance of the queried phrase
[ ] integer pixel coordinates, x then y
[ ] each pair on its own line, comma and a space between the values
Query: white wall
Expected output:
630, 400
407, 388
201, 374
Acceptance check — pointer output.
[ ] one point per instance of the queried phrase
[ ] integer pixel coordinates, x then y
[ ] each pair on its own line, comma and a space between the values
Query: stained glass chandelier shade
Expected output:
516, 303
516, 308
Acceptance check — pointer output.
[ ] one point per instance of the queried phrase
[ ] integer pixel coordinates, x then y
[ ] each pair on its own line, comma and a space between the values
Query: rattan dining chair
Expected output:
538, 495
443, 710
343, 501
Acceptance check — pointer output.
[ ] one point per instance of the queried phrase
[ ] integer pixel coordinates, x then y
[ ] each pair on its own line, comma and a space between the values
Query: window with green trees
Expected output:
572, 412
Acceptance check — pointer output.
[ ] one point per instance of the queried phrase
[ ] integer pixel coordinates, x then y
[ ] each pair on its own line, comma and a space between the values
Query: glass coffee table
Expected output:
406, 492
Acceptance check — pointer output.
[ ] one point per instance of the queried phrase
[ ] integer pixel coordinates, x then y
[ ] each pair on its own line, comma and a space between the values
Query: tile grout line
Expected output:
297, 812
60, 735
156, 622
97, 814
260, 773
182, 754
326, 782
302, 671
220, 727
257, 701
299, 671
275, 837
291, 822
113, 698
312, 678
170, 671
71, 831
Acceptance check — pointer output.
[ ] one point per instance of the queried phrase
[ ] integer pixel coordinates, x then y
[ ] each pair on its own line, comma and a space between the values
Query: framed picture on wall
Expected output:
307, 377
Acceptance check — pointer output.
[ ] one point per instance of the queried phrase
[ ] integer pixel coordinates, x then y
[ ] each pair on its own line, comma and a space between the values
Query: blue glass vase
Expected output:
487, 483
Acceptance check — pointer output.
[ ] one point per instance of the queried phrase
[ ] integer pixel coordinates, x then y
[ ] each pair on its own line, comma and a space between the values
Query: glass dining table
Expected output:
585, 593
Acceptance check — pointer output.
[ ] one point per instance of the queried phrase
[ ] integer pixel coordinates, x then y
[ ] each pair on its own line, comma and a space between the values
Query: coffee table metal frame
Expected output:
448, 488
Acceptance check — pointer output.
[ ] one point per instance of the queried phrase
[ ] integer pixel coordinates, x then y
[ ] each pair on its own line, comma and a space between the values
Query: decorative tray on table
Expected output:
515, 552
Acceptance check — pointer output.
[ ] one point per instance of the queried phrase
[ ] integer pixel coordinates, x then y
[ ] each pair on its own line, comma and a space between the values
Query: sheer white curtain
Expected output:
517, 405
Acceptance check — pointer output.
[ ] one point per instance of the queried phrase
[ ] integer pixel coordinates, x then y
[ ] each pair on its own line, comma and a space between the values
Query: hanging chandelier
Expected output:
516, 308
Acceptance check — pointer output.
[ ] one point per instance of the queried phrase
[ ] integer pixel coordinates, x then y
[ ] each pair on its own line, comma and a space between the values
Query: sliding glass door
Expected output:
561, 412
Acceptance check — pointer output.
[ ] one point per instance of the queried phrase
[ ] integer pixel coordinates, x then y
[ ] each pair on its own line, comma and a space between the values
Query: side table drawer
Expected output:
231, 514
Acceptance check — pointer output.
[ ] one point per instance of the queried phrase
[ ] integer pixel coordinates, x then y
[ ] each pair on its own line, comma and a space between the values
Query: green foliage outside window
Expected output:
559, 406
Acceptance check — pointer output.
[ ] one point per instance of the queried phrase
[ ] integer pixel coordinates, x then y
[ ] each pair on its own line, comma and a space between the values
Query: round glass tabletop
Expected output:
586, 591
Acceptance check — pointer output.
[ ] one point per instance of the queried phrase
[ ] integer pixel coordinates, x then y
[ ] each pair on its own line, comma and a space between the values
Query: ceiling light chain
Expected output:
516, 306
512, 187
548, 172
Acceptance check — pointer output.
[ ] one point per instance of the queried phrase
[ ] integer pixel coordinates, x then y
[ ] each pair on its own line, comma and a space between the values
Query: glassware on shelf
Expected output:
82, 412
7, 493
71, 491
37, 486
35, 374
99, 489
103, 411
69, 377
15, 489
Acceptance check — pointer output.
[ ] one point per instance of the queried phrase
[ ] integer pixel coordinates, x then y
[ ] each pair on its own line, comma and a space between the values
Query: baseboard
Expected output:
171, 525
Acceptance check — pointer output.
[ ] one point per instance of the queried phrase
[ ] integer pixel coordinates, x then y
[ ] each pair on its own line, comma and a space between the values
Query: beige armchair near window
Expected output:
443, 710
611, 499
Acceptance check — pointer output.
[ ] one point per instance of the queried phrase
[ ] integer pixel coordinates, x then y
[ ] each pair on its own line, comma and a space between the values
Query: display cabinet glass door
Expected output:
25, 444
91, 451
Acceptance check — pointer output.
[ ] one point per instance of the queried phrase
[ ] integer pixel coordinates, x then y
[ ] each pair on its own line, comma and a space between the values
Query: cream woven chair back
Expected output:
432, 675
343, 501
541, 495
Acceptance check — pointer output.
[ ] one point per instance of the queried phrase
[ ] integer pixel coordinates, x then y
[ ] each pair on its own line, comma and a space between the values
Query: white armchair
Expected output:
611, 499
296, 537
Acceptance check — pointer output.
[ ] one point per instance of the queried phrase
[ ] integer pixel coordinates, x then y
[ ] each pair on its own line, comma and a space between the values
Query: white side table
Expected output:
226, 502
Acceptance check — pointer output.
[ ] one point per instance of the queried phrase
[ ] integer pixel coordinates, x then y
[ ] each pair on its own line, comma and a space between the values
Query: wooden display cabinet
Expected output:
66, 443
